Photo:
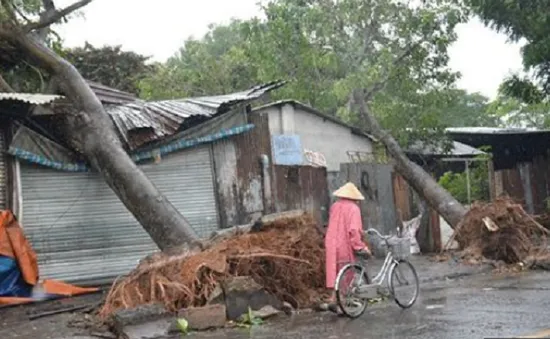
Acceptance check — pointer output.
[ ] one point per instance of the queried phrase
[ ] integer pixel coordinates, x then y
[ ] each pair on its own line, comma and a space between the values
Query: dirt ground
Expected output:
15, 321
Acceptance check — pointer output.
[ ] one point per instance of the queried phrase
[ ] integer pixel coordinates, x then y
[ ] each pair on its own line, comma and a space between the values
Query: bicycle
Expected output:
363, 290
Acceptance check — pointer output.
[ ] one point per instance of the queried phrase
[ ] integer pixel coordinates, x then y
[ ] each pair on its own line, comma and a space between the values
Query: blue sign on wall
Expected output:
287, 150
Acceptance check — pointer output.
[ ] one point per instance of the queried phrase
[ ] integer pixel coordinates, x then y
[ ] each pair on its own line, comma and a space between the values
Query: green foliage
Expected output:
456, 183
110, 66
25, 8
248, 320
326, 48
14, 68
525, 21
513, 112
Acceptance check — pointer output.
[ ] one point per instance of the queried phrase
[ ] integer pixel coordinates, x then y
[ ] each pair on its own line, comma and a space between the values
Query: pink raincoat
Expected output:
344, 235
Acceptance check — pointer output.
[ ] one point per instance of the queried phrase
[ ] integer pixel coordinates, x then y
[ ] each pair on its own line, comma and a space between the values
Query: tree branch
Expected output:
55, 16
49, 10
381, 84
4, 86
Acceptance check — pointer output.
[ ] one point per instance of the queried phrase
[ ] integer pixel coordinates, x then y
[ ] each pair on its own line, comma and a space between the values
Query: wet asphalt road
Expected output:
481, 306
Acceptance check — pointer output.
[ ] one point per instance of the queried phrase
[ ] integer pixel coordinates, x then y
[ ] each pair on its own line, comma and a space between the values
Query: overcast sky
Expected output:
159, 28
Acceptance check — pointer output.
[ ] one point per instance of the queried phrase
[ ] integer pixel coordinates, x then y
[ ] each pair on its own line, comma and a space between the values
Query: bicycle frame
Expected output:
370, 291
385, 269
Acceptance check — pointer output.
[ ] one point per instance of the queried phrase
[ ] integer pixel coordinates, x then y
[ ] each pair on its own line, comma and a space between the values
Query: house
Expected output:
318, 131
323, 140
208, 155
520, 162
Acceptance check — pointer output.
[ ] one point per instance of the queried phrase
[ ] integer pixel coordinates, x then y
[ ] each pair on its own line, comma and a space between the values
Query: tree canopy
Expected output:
110, 66
327, 48
523, 21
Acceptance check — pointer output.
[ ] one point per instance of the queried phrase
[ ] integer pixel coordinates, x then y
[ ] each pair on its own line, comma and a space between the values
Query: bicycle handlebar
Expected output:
373, 231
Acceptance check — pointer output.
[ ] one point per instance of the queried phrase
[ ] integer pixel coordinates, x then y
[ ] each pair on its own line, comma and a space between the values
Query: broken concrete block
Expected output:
242, 293
139, 314
143, 322
216, 297
266, 312
204, 318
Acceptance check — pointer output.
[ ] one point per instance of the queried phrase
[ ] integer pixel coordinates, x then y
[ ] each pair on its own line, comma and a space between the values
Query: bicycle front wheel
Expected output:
348, 281
403, 283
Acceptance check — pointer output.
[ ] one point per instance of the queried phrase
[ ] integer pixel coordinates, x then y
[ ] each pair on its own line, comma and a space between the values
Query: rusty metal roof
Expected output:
140, 122
30, 98
109, 95
458, 149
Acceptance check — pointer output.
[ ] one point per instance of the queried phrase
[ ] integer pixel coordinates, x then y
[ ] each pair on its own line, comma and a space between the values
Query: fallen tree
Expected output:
423, 183
89, 130
285, 256
501, 231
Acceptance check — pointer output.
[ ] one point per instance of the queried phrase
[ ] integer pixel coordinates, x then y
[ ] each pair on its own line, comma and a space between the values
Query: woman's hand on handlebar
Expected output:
364, 252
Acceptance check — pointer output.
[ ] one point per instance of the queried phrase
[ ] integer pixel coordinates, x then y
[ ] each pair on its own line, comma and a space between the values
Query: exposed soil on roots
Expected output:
286, 257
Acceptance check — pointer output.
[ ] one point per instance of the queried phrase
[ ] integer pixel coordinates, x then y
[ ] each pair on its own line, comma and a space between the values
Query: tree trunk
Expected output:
437, 197
90, 131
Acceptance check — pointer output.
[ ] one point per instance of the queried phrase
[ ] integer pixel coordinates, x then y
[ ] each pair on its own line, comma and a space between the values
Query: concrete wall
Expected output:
316, 133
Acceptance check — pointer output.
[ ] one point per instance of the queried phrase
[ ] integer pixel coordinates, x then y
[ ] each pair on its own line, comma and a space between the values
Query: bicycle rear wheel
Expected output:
403, 278
349, 279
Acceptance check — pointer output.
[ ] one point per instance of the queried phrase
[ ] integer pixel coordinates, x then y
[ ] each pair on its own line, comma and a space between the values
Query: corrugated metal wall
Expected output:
239, 173
3, 170
375, 182
402, 196
302, 187
81, 231
527, 183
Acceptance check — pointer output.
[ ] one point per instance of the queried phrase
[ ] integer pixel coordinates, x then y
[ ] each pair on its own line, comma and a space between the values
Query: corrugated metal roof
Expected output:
109, 95
141, 122
458, 150
491, 130
105, 94
30, 98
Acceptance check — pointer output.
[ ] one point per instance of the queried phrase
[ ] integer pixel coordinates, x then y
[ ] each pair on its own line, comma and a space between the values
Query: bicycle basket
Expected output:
400, 247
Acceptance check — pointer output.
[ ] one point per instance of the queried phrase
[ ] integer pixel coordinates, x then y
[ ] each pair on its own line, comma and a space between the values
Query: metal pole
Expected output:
468, 182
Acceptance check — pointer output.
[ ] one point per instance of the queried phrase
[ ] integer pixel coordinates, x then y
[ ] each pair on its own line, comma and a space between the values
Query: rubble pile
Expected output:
286, 258
501, 231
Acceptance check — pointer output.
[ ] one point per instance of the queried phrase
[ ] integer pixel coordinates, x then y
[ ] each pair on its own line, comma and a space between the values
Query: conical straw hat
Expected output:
349, 191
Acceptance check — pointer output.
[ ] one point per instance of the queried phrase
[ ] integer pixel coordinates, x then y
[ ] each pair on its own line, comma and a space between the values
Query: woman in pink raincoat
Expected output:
344, 233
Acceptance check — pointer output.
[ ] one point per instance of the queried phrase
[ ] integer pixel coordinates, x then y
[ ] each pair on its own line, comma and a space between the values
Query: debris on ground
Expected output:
502, 232
286, 258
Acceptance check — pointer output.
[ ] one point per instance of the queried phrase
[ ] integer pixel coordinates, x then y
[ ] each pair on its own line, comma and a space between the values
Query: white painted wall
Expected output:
316, 133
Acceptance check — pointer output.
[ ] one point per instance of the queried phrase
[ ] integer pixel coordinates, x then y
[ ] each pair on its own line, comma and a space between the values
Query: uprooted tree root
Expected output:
286, 258
501, 231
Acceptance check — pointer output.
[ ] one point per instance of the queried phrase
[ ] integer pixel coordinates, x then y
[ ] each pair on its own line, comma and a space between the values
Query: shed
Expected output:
80, 229
520, 158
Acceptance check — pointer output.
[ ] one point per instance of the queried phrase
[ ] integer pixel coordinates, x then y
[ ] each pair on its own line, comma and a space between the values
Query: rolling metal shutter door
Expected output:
3, 171
80, 229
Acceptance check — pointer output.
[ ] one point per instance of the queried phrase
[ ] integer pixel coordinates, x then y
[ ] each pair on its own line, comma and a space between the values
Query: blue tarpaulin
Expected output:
12, 283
